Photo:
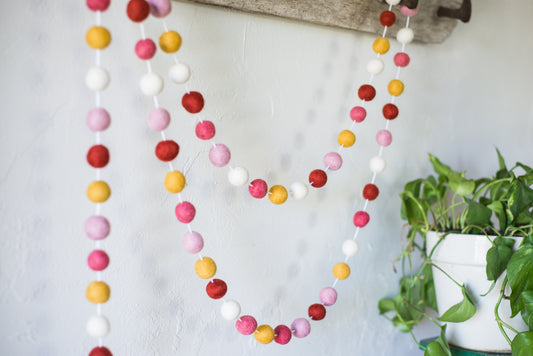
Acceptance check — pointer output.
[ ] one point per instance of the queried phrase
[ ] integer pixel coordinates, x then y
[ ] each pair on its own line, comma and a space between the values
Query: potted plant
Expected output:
495, 217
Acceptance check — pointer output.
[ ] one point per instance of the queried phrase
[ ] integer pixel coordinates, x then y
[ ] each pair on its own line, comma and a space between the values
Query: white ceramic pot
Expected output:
464, 258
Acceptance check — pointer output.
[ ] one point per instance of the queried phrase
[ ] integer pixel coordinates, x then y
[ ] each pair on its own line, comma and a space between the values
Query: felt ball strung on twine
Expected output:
138, 10
100, 351
98, 260
395, 87
318, 178
282, 334
193, 242
333, 161
98, 326
219, 155
401, 59
384, 138
381, 45
387, 18
170, 42
361, 218
393, 2
346, 138
298, 190
205, 267
375, 66
193, 102
358, 114
341, 271
97, 227
278, 194
185, 212
377, 164
316, 312
98, 156
98, 191
328, 296
264, 334
167, 150
98, 5
97, 79
390, 111
160, 8
230, 310
350, 248
158, 119
300, 327
238, 176
370, 191
98, 37
405, 35
366, 92
179, 73
175, 182
145, 49
205, 130
98, 292
246, 325
151, 84
216, 288
98, 119
258, 188
407, 11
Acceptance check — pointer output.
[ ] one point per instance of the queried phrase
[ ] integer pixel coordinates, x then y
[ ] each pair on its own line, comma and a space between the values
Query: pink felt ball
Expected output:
407, 11
160, 8
205, 130
219, 155
145, 49
384, 137
358, 114
361, 218
246, 325
98, 119
98, 260
333, 161
301, 327
193, 242
97, 227
401, 59
98, 5
258, 188
282, 334
158, 119
185, 212
328, 296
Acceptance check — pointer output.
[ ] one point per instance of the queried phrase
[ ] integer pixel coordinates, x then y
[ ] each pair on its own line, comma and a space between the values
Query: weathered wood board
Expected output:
361, 15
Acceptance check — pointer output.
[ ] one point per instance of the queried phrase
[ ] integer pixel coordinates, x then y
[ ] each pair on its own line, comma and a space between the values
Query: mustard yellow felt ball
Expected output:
170, 41
98, 292
341, 270
264, 334
381, 45
278, 194
205, 268
98, 191
98, 37
395, 87
346, 138
174, 181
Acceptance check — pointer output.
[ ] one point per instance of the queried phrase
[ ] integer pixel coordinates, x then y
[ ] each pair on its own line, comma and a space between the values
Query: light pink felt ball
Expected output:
98, 119
205, 130
333, 161
97, 227
193, 242
384, 137
361, 218
219, 155
407, 11
246, 325
328, 296
158, 119
401, 59
185, 212
258, 188
358, 114
300, 327
145, 49
98, 260
160, 8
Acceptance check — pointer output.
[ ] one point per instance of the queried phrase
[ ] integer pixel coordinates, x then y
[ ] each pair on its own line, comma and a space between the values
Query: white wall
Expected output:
279, 92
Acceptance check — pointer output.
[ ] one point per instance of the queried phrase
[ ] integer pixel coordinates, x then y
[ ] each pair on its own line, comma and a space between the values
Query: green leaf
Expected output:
527, 311
501, 161
498, 209
440, 346
498, 256
402, 325
461, 311
522, 344
477, 214
520, 197
413, 210
460, 185
520, 276
440, 168
386, 305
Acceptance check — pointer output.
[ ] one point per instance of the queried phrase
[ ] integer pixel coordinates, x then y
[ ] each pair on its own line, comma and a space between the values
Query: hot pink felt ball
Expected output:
300, 327
282, 334
98, 119
333, 161
258, 188
219, 155
246, 325
358, 114
205, 130
384, 137
98, 260
158, 119
98, 5
145, 49
328, 296
193, 242
361, 218
160, 8
97, 227
401, 59
185, 212
407, 11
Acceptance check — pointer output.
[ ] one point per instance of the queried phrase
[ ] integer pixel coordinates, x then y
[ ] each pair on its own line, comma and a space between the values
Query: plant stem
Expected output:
416, 341
497, 315
476, 195
447, 275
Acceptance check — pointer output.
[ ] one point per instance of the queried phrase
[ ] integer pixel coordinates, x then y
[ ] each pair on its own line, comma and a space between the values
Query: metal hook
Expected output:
463, 13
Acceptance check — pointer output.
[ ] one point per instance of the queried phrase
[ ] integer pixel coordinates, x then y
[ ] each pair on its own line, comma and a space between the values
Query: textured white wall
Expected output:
279, 92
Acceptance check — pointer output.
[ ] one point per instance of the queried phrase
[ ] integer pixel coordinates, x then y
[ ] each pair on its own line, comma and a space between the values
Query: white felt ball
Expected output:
350, 248
238, 176
98, 326
230, 310
377, 164
375, 66
298, 190
151, 84
405, 35
179, 73
97, 79
393, 2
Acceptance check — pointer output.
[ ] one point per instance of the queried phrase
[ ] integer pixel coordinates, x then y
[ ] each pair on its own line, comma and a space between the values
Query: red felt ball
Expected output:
317, 312
318, 178
100, 351
98, 5
216, 288
390, 111
193, 102
258, 188
205, 130
387, 18
282, 334
138, 10
370, 191
361, 218
98, 156
366, 92
167, 150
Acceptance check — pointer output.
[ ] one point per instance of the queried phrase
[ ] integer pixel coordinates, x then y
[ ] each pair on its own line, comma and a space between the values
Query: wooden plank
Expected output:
361, 15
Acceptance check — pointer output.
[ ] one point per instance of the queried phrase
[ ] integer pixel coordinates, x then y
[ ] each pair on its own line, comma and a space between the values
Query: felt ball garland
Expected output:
97, 227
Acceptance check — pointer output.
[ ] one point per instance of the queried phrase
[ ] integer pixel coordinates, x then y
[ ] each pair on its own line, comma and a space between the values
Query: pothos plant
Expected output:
500, 206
